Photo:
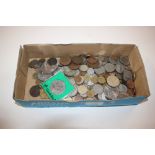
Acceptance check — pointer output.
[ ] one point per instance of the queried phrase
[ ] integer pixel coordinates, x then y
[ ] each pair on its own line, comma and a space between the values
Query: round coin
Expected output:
82, 89
119, 68
35, 91
113, 60
34, 64
98, 89
83, 68
65, 61
94, 79
58, 87
101, 80
122, 88
52, 61
92, 60
77, 60
73, 66
90, 71
78, 79
113, 81
109, 67
124, 60
127, 75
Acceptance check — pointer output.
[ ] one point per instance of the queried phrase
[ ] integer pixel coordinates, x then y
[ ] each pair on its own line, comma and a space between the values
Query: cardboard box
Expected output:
30, 51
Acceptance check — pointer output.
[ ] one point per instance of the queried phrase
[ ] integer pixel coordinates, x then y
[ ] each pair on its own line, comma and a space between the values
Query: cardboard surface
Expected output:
57, 50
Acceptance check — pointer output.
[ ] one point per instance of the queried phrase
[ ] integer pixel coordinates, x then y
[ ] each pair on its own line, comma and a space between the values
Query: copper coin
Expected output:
92, 60
95, 65
78, 79
52, 61
34, 64
73, 66
35, 91
65, 61
130, 84
77, 60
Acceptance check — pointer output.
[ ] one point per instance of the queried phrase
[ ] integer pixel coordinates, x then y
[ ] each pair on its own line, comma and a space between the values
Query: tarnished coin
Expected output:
83, 68
127, 75
34, 64
124, 60
113, 81
90, 71
78, 79
57, 87
101, 80
43, 77
122, 88
77, 60
130, 84
90, 93
113, 60
119, 68
73, 66
94, 79
35, 91
43, 95
92, 60
98, 89
82, 89
52, 61
65, 61
109, 67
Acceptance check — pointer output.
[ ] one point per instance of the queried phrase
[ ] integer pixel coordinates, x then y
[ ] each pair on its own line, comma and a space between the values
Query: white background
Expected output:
13, 116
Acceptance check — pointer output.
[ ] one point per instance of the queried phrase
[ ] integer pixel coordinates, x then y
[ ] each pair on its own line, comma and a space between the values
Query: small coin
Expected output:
94, 79
92, 60
90, 71
83, 68
130, 84
78, 79
35, 91
77, 60
34, 64
43, 77
124, 60
52, 61
113, 81
65, 61
73, 66
122, 88
90, 93
109, 67
98, 89
82, 89
57, 87
127, 75
100, 70
101, 80
119, 68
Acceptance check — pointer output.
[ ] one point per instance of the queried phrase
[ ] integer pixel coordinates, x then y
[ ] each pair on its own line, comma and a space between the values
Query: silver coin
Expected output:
109, 67
90, 71
122, 88
101, 96
124, 60
127, 75
98, 89
100, 70
103, 59
43, 77
58, 87
83, 68
113, 60
110, 93
119, 68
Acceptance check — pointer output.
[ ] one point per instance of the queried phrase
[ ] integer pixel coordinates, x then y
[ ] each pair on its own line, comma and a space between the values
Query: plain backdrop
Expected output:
14, 116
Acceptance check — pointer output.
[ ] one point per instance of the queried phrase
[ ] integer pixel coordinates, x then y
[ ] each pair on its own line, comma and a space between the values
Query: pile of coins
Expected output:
93, 77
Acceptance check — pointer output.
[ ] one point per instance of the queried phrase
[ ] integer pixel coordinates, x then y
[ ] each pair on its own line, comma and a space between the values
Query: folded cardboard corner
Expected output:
30, 51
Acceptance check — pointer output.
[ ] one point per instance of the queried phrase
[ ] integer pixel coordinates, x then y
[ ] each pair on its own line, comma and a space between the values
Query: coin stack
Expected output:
93, 77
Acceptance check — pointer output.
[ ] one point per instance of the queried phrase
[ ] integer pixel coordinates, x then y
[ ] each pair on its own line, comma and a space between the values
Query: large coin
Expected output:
58, 87
113, 81
109, 67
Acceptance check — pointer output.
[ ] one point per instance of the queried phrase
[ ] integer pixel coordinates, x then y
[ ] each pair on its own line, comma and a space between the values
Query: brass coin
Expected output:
82, 89
94, 79
101, 80
90, 93
65, 61
113, 81
77, 60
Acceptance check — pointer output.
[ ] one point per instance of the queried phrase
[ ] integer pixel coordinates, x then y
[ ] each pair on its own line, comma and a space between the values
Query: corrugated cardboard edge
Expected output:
17, 70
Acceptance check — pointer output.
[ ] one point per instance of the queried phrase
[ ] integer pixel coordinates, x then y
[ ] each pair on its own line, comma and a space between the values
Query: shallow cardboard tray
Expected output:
31, 51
